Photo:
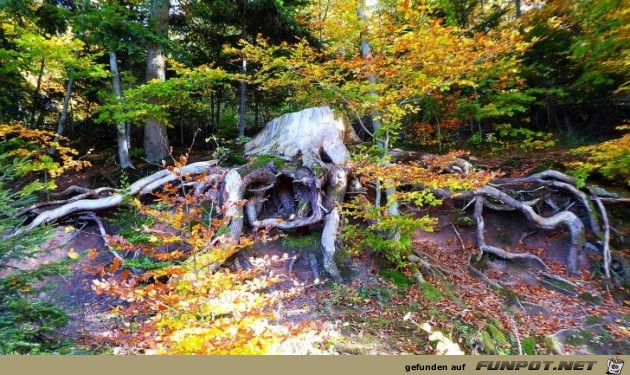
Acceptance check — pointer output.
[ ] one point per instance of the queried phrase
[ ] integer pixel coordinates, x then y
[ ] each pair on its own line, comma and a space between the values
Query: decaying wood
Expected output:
308, 191
457, 165
311, 133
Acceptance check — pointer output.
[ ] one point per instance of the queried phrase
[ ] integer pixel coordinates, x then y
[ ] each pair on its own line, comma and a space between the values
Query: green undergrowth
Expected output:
398, 278
292, 241
145, 263
431, 293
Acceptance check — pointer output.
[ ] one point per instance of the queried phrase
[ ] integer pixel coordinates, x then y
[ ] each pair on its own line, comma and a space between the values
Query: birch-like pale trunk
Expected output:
64, 112
121, 129
243, 94
366, 53
156, 146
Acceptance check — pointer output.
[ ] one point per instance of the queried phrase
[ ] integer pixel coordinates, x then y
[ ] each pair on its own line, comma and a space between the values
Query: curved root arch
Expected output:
308, 189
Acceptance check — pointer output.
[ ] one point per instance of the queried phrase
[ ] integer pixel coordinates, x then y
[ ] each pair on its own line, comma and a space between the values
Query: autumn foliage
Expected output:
31, 147
177, 300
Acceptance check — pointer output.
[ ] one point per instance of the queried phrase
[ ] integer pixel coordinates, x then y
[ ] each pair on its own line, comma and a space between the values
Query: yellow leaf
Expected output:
69, 229
26, 287
72, 254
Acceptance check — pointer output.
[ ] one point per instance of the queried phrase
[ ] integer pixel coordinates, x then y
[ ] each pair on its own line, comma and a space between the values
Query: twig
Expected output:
468, 204
459, 237
104, 234
518, 340
481, 275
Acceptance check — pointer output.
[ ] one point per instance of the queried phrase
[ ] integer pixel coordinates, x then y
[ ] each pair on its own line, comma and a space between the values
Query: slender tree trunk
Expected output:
366, 53
64, 112
210, 124
71, 124
218, 111
36, 93
567, 122
382, 140
123, 144
517, 4
241, 112
256, 109
156, 147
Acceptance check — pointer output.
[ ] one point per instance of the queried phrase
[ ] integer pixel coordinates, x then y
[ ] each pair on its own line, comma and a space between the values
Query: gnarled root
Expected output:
143, 186
566, 218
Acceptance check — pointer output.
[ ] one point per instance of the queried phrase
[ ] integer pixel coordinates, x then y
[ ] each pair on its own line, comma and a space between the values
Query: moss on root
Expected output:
310, 241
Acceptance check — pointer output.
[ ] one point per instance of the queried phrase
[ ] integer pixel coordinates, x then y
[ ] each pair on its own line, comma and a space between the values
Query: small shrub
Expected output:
610, 159
27, 325
202, 309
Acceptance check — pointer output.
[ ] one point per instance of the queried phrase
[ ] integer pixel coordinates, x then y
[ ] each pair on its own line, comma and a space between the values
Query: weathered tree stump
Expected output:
306, 180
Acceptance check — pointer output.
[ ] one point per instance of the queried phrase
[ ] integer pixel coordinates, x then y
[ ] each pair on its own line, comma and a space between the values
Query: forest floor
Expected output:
380, 310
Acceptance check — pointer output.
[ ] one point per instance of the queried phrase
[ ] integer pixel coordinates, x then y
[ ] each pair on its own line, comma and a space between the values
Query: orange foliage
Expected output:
185, 304
31, 147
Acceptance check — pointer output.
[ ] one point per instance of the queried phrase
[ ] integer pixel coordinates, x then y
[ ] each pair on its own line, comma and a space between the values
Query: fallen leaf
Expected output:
72, 254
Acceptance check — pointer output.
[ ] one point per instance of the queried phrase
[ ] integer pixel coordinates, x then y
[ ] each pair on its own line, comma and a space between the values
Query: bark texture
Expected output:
121, 128
156, 147
314, 133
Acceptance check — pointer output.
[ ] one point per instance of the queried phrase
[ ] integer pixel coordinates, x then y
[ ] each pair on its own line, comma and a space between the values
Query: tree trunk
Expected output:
123, 144
217, 122
156, 146
210, 123
64, 112
36, 94
256, 109
381, 141
241, 111
517, 5
366, 54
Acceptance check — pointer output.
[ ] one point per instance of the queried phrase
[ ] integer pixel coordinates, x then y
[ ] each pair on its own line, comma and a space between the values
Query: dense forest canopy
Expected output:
187, 134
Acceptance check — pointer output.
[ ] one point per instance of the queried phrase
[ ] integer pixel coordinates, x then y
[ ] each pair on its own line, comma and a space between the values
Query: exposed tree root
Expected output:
304, 199
85, 194
307, 191
564, 218
606, 239
142, 186
480, 275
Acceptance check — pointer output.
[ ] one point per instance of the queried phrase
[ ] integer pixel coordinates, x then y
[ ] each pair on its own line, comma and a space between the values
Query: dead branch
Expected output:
92, 205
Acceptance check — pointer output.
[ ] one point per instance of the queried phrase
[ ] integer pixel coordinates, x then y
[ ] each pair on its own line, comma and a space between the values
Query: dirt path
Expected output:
380, 311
